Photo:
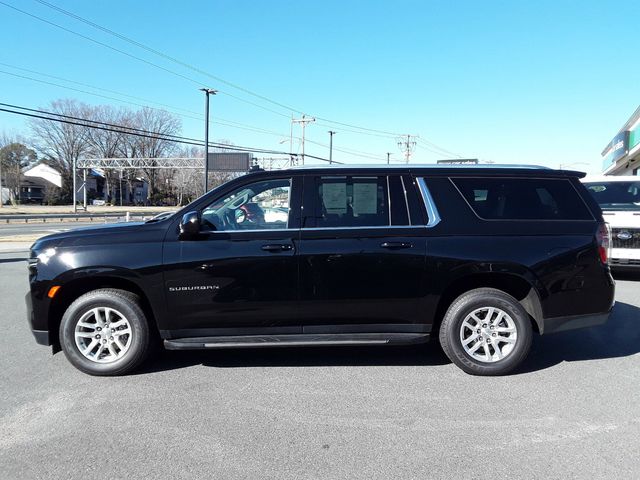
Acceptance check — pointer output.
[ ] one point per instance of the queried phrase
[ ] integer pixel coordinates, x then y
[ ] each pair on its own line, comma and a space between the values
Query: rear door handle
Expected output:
396, 245
277, 247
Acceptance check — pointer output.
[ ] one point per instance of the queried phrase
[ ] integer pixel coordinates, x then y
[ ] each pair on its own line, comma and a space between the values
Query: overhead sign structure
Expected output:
229, 161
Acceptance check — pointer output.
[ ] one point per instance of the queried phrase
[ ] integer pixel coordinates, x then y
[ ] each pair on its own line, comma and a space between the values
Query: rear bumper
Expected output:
561, 324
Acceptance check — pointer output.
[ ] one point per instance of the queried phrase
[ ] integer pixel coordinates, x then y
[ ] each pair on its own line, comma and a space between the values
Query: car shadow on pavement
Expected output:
619, 337
425, 354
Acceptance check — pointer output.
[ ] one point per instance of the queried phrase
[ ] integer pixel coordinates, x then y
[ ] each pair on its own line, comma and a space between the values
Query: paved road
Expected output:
366, 413
12, 229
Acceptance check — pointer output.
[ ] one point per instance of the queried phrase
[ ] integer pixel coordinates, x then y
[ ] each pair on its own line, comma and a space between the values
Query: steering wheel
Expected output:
229, 219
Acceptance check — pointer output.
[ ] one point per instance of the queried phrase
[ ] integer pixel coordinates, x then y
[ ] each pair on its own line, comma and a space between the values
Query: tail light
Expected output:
603, 237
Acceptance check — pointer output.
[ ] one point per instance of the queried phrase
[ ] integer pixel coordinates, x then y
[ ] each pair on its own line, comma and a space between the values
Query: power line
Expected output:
225, 122
134, 56
183, 64
219, 121
433, 145
97, 88
360, 129
355, 153
85, 122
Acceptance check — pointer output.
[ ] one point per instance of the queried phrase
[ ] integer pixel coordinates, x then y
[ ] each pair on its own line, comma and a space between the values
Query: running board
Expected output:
296, 340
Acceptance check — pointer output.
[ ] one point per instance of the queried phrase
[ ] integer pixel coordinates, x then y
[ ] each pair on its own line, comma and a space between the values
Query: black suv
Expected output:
479, 257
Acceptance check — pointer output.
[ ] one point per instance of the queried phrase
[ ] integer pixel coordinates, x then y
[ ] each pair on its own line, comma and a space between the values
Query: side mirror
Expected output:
190, 224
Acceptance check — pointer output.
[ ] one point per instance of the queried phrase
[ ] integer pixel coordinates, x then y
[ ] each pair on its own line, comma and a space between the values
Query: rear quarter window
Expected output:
494, 198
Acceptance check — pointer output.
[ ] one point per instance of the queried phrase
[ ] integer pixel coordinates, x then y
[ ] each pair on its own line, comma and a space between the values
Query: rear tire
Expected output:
105, 332
486, 332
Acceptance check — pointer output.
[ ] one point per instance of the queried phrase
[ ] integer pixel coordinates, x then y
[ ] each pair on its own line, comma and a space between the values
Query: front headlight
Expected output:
45, 256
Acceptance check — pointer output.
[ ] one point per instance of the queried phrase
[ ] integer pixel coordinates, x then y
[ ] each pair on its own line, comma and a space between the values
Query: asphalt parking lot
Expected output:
385, 412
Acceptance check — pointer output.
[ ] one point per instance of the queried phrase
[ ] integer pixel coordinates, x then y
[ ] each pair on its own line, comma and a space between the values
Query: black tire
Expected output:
464, 305
128, 305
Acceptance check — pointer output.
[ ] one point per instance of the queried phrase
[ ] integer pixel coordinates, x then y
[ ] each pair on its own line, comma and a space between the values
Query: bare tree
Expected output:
62, 144
157, 121
107, 143
187, 182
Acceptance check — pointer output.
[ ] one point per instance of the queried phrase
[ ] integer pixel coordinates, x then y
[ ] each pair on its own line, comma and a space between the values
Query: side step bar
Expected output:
296, 340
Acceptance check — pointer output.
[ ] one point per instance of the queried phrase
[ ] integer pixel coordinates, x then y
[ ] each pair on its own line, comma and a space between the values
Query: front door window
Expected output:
262, 205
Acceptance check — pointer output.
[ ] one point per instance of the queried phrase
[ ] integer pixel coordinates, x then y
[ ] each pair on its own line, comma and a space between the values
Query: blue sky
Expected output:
543, 82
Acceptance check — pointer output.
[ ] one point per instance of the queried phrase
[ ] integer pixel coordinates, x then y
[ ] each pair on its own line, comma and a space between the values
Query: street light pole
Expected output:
207, 92
388, 156
331, 134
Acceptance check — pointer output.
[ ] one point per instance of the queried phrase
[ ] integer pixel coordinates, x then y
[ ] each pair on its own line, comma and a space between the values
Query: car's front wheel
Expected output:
486, 332
105, 332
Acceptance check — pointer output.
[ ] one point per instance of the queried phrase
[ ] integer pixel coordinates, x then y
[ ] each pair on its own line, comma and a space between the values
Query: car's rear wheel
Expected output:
486, 332
105, 332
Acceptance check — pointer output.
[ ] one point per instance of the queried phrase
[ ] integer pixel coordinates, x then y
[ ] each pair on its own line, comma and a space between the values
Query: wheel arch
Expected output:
77, 287
515, 285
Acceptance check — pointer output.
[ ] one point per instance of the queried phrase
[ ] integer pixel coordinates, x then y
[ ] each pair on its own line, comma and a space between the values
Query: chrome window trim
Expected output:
432, 210
388, 199
378, 227
257, 230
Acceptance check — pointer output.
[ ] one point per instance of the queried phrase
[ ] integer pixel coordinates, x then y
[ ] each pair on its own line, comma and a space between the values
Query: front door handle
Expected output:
396, 245
277, 247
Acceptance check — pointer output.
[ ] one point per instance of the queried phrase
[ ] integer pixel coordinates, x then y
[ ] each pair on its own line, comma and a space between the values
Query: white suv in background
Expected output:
619, 198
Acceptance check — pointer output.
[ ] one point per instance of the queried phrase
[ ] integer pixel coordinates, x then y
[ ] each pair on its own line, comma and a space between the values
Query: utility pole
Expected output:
291, 140
84, 189
303, 122
74, 186
388, 158
407, 146
331, 134
1, 199
207, 92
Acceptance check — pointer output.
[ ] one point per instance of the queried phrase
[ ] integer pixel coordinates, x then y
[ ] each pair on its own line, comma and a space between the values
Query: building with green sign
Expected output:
622, 155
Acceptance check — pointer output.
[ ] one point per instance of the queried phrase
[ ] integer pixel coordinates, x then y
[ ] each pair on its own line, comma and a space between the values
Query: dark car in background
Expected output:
480, 258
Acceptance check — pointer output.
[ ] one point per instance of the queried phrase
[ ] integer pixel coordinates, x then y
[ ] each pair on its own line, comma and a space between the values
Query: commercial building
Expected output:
622, 155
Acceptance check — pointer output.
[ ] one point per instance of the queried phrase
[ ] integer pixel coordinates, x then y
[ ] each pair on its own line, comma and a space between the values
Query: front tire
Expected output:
105, 332
486, 332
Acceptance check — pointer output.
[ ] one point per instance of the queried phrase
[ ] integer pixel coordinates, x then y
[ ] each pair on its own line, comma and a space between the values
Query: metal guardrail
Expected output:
61, 217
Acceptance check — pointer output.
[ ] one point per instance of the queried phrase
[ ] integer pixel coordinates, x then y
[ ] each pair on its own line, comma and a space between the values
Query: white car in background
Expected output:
619, 199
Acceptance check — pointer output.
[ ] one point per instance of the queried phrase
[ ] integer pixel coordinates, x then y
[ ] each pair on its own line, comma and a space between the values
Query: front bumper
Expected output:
561, 324
624, 263
42, 336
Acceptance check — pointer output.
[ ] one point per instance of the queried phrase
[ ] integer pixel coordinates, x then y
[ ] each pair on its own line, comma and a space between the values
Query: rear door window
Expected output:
495, 198
351, 201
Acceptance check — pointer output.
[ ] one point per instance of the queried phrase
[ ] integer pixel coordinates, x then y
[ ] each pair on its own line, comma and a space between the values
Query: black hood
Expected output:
98, 234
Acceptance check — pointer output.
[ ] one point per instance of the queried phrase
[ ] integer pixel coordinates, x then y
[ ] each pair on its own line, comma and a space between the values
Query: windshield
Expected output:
616, 195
